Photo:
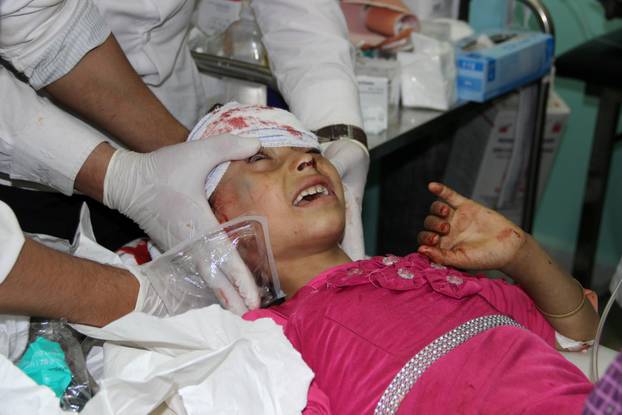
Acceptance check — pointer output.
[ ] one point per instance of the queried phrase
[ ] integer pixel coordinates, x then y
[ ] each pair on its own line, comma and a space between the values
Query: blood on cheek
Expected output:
222, 203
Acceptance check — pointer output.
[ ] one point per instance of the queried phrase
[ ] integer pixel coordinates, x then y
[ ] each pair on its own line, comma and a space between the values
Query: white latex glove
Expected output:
148, 300
174, 275
351, 159
164, 192
232, 284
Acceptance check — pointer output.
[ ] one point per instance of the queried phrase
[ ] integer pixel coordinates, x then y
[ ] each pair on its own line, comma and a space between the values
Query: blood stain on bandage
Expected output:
236, 119
290, 130
237, 123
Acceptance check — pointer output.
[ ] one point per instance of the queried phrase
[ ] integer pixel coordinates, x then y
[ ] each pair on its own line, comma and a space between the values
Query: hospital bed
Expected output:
580, 359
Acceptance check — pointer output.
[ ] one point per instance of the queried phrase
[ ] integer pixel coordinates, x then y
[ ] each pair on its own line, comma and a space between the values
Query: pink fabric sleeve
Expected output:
318, 402
513, 301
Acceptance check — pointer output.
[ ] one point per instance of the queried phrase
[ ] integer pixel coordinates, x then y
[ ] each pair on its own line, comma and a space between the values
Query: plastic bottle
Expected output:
242, 39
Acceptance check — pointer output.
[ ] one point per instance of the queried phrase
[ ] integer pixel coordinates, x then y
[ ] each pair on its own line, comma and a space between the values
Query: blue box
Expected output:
517, 59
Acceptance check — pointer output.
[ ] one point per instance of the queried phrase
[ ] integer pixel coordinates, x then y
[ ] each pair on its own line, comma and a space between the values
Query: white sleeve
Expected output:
152, 34
45, 39
311, 57
39, 142
13, 335
13, 329
11, 240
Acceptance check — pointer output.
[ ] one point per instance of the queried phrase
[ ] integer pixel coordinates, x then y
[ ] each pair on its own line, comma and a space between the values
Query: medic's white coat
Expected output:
306, 40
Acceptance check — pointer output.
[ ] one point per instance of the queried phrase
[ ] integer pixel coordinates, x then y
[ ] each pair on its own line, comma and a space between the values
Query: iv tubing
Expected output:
599, 333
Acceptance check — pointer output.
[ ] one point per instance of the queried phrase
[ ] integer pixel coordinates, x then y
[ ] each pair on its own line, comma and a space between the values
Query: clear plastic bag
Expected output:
54, 347
197, 273
428, 74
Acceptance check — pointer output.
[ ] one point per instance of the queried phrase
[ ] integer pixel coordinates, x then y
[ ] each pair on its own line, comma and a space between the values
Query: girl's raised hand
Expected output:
462, 233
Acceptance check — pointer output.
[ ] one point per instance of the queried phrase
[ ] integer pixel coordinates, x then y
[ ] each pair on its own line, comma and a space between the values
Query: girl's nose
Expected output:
308, 161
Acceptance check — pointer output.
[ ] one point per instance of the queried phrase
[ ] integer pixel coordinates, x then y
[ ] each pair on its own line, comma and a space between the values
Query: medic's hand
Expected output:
464, 234
160, 296
351, 159
164, 191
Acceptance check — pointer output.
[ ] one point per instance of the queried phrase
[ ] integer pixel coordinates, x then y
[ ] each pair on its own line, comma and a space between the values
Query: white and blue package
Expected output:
510, 60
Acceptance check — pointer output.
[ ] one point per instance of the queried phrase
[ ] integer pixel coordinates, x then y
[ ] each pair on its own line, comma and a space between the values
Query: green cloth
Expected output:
44, 361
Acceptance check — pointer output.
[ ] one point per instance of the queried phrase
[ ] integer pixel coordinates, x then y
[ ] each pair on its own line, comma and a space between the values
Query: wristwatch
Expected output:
337, 131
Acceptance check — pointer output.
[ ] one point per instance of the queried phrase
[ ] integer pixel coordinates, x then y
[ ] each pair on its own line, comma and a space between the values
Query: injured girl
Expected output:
403, 334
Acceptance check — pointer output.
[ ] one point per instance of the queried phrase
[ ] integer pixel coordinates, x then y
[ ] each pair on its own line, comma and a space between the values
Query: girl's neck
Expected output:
296, 272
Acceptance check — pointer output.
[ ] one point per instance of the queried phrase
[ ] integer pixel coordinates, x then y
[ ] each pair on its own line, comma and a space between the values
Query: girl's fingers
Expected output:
427, 238
453, 198
436, 224
435, 254
440, 209
442, 256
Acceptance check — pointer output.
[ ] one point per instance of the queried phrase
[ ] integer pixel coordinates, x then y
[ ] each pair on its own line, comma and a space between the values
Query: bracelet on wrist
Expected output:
571, 312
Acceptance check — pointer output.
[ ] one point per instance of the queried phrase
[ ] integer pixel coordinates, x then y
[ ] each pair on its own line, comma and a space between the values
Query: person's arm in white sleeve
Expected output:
45, 39
13, 329
11, 240
105, 90
311, 57
48, 283
43, 144
66, 49
38, 141
39, 281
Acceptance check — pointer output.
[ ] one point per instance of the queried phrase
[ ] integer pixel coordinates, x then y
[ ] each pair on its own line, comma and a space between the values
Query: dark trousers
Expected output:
57, 215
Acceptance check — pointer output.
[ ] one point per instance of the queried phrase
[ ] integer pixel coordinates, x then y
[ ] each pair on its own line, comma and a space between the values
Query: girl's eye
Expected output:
314, 151
257, 157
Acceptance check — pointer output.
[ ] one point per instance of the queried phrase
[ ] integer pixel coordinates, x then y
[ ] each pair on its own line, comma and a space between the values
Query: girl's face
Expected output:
297, 189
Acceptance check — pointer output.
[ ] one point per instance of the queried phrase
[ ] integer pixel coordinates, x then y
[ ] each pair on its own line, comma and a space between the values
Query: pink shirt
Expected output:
357, 325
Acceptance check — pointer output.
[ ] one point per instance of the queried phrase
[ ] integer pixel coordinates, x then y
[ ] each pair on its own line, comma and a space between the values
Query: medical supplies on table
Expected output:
379, 92
496, 62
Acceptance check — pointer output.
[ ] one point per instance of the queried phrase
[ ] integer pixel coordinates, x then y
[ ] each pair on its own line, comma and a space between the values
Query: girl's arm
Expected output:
462, 233
559, 297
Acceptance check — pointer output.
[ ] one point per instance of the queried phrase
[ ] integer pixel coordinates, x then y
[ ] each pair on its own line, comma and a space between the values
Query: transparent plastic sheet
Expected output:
80, 388
193, 274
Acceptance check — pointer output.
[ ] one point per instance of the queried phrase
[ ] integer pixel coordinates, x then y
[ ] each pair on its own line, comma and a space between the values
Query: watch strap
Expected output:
337, 131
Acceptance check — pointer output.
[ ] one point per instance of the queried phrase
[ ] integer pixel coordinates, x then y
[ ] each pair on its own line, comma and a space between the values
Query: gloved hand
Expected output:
351, 159
194, 274
164, 192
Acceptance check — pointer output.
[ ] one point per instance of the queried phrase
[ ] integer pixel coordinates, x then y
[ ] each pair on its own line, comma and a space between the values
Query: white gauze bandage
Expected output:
273, 127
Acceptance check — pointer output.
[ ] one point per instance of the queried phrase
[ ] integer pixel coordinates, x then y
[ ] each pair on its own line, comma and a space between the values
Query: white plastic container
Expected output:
379, 92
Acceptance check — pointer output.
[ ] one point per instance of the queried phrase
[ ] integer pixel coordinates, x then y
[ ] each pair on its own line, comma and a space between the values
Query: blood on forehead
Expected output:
236, 120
